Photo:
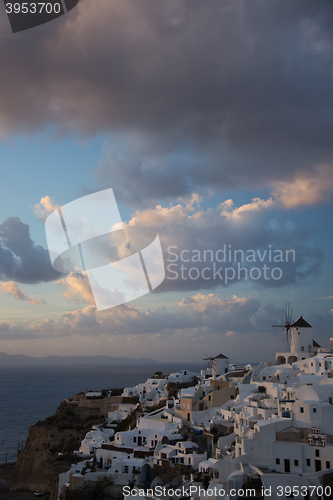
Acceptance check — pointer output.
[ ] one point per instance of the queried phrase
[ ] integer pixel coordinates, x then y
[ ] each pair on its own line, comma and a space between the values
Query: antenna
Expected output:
288, 313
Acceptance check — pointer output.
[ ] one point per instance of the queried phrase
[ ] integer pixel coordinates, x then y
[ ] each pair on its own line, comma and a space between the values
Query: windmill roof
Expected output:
301, 323
220, 356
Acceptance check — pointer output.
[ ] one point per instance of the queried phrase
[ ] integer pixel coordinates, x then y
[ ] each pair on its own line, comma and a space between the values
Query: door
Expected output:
318, 465
286, 465
139, 441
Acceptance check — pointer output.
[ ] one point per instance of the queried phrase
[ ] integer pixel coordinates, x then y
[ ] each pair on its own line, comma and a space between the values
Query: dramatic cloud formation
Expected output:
251, 230
12, 288
195, 315
164, 175
214, 120
205, 94
201, 319
20, 259
184, 227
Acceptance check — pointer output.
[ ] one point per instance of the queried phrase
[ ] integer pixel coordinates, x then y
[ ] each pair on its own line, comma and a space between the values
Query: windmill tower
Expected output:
298, 339
301, 339
219, 364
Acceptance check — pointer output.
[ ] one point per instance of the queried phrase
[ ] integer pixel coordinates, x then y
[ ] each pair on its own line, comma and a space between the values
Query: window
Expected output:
134, 439
126, 469
301, 409
296, 463
302, 347
311, 364
330, 401
328, 464
277, 461
317, 453
314, 410
308, 462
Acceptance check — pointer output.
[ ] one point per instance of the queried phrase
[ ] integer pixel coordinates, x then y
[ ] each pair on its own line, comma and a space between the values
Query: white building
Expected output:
94, 439
302, 343
153, 390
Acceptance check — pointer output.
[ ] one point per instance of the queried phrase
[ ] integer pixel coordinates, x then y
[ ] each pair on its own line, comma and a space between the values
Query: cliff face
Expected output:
39, 464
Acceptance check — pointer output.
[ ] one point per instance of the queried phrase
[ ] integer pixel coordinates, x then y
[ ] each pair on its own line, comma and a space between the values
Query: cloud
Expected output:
205, 94
305, 189
76, 288
11, 288
20, 259
256, 206
201, 303
13, 332
45, 207
235, 238
203, 318
182, 227
161, 174
235, 313
195, 315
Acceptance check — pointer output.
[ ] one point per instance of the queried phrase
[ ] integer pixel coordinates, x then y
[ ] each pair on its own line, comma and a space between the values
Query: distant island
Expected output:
21, 359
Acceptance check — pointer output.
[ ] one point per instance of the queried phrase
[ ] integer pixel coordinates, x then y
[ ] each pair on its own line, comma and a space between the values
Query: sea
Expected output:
29, 394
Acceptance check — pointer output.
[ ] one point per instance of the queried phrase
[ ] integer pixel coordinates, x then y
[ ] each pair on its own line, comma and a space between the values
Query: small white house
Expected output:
94, 439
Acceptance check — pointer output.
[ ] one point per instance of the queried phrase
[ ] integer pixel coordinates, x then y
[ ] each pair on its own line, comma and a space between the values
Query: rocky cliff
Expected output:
48, 449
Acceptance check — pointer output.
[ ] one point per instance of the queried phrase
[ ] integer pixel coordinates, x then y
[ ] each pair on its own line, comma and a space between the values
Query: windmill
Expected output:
211, 362
288, 313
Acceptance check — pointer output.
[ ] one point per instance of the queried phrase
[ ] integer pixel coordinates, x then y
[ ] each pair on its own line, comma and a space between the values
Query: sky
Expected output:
212, 122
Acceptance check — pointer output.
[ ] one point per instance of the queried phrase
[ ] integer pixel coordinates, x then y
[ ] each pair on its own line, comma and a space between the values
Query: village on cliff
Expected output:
228, 432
